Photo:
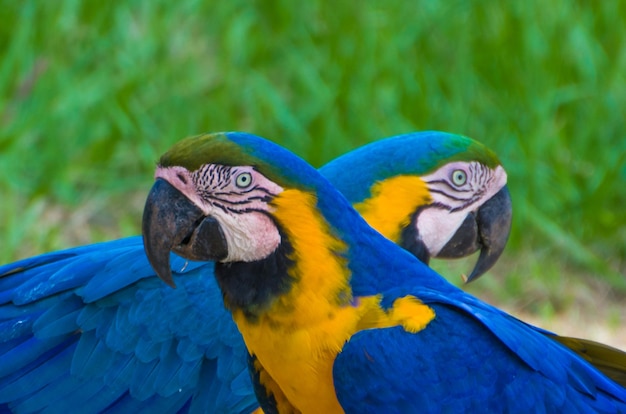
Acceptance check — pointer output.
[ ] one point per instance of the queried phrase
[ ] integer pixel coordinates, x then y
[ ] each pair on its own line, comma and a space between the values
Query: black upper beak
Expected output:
488, 230
494, 226
171, 222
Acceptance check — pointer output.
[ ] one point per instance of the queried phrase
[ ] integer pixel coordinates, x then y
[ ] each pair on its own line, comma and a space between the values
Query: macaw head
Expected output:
214, 199
435, 194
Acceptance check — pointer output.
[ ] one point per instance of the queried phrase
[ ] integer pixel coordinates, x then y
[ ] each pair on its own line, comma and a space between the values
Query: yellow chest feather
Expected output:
297, 339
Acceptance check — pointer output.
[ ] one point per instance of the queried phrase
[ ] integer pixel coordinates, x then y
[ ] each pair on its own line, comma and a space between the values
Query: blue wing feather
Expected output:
94, 324
35, 376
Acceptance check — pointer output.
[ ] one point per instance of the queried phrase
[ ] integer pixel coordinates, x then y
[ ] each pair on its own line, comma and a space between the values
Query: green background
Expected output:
92, 92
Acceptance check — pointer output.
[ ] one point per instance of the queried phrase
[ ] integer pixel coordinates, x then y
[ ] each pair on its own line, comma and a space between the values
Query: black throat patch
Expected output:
253, 286
411, 240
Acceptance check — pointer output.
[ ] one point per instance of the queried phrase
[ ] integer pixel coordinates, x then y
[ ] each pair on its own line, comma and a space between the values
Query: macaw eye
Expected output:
243, 180
459, 177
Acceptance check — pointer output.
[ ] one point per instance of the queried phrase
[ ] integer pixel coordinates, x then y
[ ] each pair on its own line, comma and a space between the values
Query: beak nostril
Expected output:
182, 178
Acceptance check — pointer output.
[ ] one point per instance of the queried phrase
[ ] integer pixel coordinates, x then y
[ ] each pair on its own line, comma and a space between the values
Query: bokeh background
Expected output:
92, 92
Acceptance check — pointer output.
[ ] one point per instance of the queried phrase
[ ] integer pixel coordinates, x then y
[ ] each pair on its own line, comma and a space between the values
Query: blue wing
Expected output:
469, 350
94, 327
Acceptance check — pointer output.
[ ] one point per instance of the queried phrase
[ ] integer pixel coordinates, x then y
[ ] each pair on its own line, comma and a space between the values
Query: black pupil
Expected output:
458, 177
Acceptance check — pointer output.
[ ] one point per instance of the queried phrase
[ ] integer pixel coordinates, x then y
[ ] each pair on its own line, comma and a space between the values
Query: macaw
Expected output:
336, 317
94, 327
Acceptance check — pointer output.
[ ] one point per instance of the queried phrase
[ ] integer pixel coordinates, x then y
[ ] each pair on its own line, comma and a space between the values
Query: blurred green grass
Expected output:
91, 93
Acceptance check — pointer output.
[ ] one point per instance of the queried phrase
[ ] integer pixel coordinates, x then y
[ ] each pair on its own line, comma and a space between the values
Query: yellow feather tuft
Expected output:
411, 313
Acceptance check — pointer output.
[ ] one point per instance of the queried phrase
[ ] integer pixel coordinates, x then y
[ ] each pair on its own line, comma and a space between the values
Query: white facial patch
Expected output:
457, 189
238, 198
251, 236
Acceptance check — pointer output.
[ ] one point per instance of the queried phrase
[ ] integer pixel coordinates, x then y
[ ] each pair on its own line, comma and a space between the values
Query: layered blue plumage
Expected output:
94, 326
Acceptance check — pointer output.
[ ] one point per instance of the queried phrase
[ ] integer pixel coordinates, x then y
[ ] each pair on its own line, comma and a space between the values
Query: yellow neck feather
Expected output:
321, 274
392, 203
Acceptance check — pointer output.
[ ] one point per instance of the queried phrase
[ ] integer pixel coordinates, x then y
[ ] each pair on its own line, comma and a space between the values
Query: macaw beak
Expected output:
486, 229
171, 222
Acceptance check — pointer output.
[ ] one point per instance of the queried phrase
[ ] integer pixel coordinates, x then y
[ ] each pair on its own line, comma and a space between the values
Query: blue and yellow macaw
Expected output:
94, 327
336, 317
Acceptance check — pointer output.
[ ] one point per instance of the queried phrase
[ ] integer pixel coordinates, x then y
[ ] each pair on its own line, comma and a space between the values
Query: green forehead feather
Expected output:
220, 148
471, 151
193, 152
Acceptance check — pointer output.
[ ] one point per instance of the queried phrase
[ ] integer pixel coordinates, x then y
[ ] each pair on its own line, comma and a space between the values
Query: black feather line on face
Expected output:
466, 201
444, 182
219, 196
253, 286
238, 207
447, 195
